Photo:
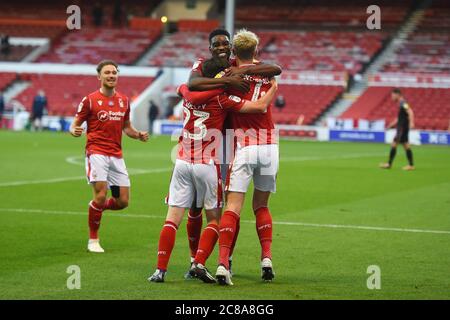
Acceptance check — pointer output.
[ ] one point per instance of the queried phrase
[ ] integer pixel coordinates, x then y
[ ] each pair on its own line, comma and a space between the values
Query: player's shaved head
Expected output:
244, 44
106, 63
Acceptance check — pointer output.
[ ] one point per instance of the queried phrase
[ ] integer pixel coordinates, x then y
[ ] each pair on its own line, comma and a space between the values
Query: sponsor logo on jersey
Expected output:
257, 79
120, 102
103, 116
235, 98
99, 102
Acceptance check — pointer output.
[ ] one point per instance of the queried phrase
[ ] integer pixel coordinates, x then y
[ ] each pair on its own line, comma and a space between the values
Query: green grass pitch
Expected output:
335, 214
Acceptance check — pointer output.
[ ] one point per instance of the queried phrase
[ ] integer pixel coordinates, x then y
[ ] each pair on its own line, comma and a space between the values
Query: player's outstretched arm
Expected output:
75, 128
260, 105
198, 83
133, 133
262, 69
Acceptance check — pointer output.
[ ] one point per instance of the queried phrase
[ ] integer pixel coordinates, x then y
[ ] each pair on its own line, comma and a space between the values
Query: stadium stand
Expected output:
320, 50
64, 92
431, 106
17, 53
180, 49
309, 101
6, 78
90, 45
318, 13
424, 54
427, 50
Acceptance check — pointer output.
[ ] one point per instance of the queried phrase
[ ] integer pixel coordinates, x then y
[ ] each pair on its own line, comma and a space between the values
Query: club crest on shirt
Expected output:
103, 116
111, 103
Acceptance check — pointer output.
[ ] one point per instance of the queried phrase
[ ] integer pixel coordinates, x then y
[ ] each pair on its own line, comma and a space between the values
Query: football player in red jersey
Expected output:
256, 158
220, 48
196, 174
107, 114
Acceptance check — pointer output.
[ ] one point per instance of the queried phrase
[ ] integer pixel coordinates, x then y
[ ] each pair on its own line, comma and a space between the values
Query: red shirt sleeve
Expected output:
198, 97
230, 102
197, 67
84, 108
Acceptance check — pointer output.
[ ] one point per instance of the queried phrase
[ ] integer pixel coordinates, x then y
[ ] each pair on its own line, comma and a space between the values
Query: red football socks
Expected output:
95, 216
111, 204
166, 243
264, 230
227, 229
238, 227
207, 242
194, 229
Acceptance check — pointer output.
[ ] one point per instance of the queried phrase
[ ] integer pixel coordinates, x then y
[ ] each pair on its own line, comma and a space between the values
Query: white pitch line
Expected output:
331, 157
302, 224
64, 179
72, 160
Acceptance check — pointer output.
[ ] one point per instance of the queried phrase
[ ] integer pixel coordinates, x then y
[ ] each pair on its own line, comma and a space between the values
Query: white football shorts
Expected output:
191, 182
257, 162
106, 168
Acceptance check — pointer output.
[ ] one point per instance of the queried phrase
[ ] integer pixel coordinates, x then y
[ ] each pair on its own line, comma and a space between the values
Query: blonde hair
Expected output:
245, 43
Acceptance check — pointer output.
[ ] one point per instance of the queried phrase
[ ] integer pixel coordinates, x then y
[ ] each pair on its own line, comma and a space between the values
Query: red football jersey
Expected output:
105, 117
200, 141
251, 129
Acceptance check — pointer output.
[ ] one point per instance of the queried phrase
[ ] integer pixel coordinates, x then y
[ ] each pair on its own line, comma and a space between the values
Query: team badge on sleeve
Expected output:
235, 98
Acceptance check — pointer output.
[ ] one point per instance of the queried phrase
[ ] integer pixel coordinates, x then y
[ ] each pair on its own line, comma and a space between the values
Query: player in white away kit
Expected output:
256, 158
196, 173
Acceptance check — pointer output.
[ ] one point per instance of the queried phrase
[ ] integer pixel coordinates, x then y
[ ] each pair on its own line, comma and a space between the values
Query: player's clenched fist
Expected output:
143, 136
76, 131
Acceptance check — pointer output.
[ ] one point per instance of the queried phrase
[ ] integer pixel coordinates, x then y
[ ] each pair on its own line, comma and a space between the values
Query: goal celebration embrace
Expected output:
222, 151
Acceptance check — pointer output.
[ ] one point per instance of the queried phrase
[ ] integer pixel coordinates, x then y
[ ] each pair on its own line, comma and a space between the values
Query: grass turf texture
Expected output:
320, 183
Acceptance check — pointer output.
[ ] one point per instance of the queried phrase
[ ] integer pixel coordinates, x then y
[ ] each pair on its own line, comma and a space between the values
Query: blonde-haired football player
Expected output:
256, 158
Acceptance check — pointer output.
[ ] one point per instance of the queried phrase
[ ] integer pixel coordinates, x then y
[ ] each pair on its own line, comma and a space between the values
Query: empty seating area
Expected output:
431, 106
64, 92
38, 30
320, 12
427, 50
6, 78
16, 53
90, 45
437, 17
56, 10
423, 52
181, 49
307, 101
321, 50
